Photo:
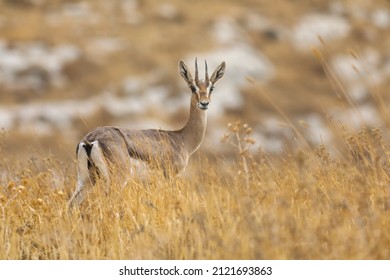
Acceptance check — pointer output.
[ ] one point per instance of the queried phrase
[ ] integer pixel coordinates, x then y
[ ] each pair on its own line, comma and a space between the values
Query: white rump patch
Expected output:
98, 159
82, 166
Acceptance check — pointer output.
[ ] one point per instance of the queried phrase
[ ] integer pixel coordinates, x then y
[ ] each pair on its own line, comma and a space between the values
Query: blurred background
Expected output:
293, 67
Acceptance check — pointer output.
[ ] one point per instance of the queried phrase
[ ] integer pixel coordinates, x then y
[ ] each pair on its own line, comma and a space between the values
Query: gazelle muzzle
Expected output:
204, 105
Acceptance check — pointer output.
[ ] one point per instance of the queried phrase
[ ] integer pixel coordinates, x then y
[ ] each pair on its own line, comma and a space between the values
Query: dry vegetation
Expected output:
304, 205
311, 202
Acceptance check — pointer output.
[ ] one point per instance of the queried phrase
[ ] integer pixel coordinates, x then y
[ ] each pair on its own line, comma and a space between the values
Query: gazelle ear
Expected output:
218, 73
185, 73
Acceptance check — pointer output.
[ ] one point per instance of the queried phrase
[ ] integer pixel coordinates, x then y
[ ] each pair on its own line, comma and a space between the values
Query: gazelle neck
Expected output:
194, 130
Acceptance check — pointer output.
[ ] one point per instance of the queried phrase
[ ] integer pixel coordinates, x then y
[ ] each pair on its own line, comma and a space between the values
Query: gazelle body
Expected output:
108, 152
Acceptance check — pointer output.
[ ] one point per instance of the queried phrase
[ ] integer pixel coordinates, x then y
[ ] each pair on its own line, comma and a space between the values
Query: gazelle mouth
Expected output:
203, 107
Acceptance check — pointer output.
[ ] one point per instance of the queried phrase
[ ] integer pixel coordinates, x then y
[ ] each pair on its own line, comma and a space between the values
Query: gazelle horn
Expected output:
196, 71
206, 72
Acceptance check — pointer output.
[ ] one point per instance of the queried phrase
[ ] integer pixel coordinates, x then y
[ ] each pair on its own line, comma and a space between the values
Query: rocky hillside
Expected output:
294, 68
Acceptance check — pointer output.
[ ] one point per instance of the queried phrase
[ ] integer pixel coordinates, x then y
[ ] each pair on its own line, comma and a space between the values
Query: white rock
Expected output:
316, 131
329, 27
381, 18
156, 96
357, 73
133, 85
226, 31
364, 115
351, 69
269, 143
103, 46
53, 115
12, 61
77, 10
6, 118
123, 106
271, 134
34, 60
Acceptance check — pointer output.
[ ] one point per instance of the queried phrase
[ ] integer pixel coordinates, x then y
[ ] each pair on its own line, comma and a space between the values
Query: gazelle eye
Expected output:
193, 88
211, 88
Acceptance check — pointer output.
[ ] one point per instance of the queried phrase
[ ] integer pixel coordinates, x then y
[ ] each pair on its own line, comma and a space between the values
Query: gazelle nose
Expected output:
204, 105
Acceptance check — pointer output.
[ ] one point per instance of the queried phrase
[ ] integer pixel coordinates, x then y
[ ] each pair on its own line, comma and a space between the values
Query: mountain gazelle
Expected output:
109, 153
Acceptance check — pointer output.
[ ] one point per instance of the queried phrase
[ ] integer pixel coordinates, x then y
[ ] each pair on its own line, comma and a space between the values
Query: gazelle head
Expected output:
201, 88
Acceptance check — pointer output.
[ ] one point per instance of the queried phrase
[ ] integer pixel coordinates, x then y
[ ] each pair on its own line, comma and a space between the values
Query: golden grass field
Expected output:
309, 202
306, 204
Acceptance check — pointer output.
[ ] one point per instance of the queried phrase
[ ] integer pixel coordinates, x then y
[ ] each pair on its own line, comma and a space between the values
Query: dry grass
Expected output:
309, 203
305, 205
